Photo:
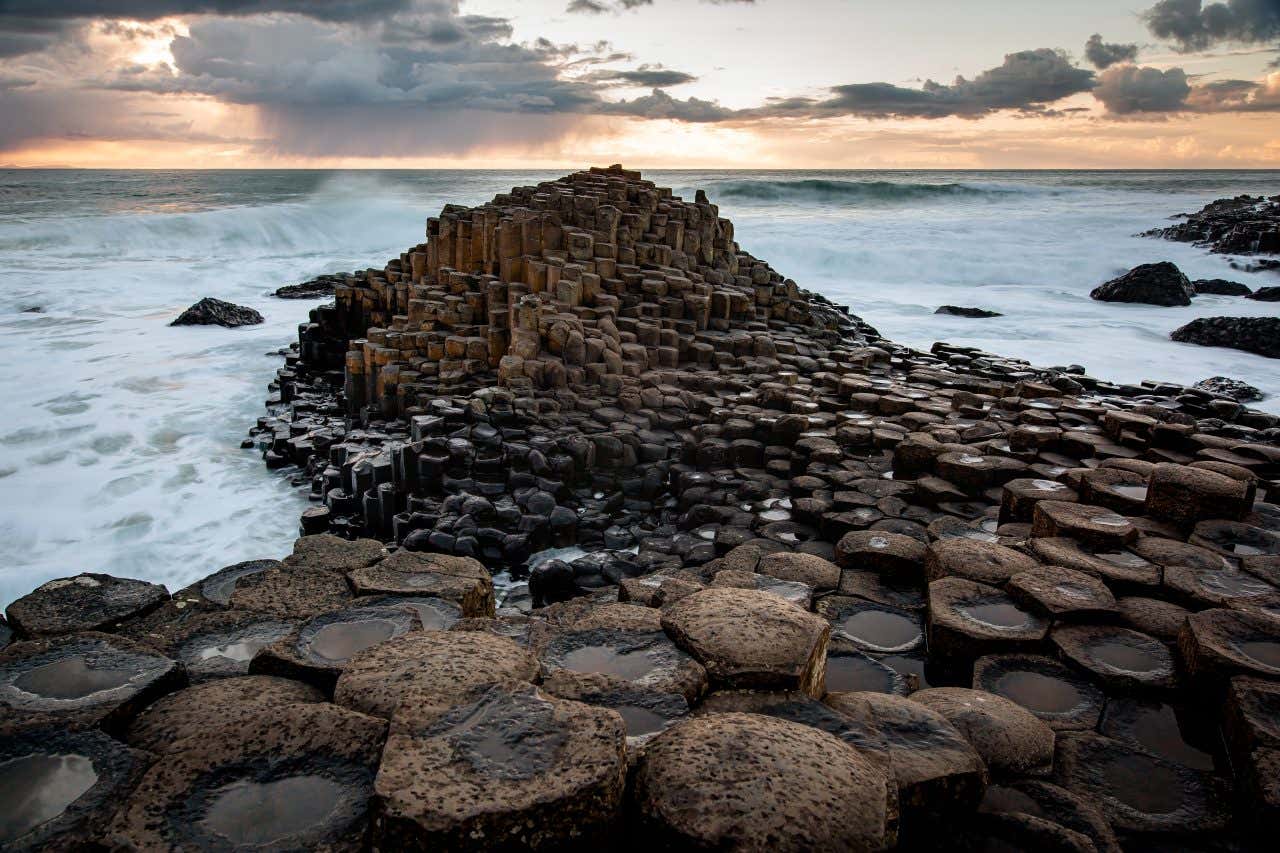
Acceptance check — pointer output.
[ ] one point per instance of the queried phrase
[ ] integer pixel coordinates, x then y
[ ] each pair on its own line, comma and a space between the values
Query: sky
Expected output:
650, 83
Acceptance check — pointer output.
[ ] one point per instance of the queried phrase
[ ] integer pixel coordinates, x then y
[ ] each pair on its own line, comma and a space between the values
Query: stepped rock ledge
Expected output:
623, 540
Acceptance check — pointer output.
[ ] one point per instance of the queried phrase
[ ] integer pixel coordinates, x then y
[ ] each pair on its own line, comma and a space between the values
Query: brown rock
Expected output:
970, 559
462, 580
1009, 738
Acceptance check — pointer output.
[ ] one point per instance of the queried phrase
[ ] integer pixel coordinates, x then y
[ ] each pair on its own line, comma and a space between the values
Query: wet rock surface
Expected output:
1260, 335
87, 602
976, 313
1153, 284
1244, 225
216, 312
581, 442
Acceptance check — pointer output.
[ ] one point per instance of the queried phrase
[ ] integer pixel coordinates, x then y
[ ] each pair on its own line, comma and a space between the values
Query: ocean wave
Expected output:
830, 191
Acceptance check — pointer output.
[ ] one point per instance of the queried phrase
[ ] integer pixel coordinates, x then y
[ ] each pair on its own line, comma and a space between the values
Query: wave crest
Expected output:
854, 192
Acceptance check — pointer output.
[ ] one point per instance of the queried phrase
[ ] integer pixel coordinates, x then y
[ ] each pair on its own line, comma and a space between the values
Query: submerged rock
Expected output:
976, 313
215, 312
1260, 335
1153, 284
1220, 287
317, 288
1234, 389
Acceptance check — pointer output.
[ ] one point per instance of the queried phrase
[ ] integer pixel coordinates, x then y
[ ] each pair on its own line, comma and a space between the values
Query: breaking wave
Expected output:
857, 192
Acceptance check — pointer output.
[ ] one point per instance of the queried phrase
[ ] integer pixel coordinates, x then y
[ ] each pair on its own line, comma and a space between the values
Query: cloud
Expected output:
1026, 80
148, 10
659, 105
1128, 89
600, 7
1193, 26
648, 76
1240, 96
1104, 55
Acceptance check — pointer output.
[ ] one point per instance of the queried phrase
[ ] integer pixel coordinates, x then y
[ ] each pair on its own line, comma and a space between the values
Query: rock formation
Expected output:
215, 312
1244, 225
1153, 284
752, 531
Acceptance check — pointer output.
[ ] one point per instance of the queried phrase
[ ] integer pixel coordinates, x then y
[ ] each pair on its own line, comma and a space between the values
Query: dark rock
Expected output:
305, 771
515, 769
1244, 225
1009, 738
697, 787
967, 312
61, 786
1260, 335
215, 312
218, 587
1153, 284
1123, 659
1234, 389
968, 619
1266, 294
1045, 687
317, 288
1220, 287
88, 602
461, 580
218, 644
1046, 801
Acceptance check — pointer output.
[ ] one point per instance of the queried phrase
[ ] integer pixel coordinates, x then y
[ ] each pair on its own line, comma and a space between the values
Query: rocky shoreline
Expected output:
623, 540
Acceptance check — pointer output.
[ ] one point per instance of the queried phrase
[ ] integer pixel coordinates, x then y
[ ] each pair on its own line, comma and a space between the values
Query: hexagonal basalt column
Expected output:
88, 602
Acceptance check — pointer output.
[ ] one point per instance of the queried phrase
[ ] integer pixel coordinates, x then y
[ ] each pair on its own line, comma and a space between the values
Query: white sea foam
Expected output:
119, 444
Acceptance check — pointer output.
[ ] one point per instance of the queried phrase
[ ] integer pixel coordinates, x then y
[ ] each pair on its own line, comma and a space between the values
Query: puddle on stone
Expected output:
1123, 558
881, 629
1265, 653
1233, 583
1073, 591
1123, 656
1138, 493
1110, 520
608, 660
37, 788
1047, 486
878, 542
855, 673
1142, 784
339, 641
432, 617
1001, 799
997, 614
1156, 729
242, 650
640, 721
776, 515
909, 667
250, 814
1038, 692
71, 678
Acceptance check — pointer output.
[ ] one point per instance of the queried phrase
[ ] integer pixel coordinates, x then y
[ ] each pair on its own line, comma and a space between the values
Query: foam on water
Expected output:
119, 445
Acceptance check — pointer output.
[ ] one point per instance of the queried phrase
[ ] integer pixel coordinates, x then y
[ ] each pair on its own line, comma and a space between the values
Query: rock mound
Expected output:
1260, 335
215, 312
1153, 284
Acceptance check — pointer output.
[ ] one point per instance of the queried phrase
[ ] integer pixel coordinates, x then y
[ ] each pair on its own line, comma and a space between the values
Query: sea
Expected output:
120, 435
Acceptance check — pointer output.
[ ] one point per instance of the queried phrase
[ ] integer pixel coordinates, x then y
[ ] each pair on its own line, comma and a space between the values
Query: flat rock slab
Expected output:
435, 669
808, 569
462, 580
335, 554
1096, 527
974, 560
1059, 696
1216, 644
1251, 719
872, 627
1139, 792
1162, 730
853, 671
647, 659
217, 587
1118, 657
218, 643
892, 555
60, 787
968, 619
697, 786
1161, 619
317, 650
197, 710
293, 777
1009, 738
644, 712
291, 592
513, 770
935, 767
90, 678
1117, 566
749, 640
1062, 593
1049, 802
88, 602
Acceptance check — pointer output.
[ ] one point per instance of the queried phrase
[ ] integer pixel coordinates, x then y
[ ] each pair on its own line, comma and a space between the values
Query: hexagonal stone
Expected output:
1019, 498
1049, 802
291, 592
1166, 731
852, 671
890, 554
292, 777
86, 679
1137, 791
751, 640
317, 650
514, 769
1251, 718
1062, 593
1260, 788
697, 786
1161, 619
462, 580
973, 560
644, 712
968, 619
1236, 540
199, 709
217, 587
872, 627
647, 659
1057, 695
1095, 527
799, 594
217, 643
1183, 496
1216, 644
87, 602
1121, 566
1009, 738
60, 786
332, 554
431, 669
1118, 657
808, 569
935, 768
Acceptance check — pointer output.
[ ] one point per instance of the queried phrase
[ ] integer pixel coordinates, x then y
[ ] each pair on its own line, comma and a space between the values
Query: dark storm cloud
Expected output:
1192, 25
648, 76
659, 105
1104, 55
1128, 89
1027, 80
1236, 96
146, 10
600, 7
